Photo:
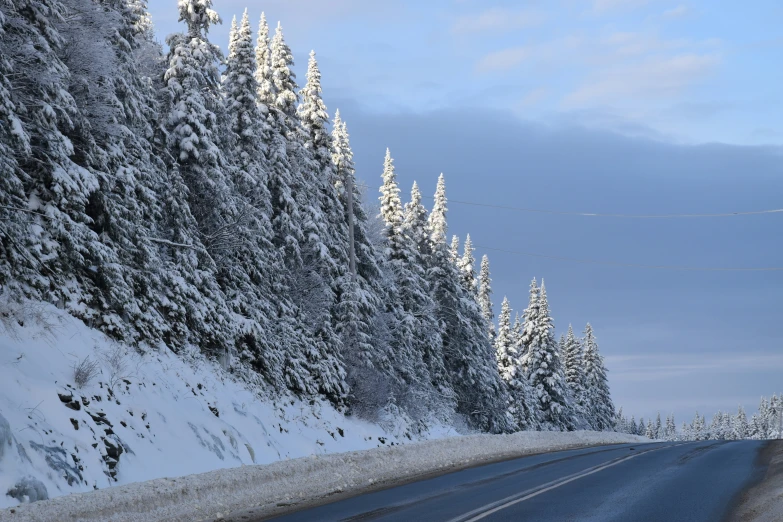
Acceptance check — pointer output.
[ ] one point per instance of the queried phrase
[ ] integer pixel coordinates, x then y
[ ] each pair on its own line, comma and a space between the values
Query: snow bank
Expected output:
141, 417
213, 495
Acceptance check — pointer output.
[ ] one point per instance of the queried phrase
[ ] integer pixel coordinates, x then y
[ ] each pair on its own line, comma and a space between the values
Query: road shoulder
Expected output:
763, 501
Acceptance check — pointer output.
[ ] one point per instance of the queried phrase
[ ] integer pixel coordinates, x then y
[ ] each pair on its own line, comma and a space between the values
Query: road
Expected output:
694, 481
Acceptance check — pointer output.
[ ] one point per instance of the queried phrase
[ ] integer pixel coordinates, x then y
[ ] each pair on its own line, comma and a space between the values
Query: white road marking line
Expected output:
494, 507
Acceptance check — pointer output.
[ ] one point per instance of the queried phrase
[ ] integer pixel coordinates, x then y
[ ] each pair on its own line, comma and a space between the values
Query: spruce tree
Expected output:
454, 249
360, 308
417, 341
485, 298
468, 354
598, 400
263, 73
545, 369
255, 273
574, 372
740, 424
671, 428
467, 267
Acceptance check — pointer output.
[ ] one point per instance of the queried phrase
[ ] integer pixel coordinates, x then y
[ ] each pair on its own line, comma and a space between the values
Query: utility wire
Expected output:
601, 214
632, 265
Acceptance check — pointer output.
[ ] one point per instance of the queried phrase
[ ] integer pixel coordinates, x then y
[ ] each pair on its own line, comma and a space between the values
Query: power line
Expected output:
610, 215
632, 265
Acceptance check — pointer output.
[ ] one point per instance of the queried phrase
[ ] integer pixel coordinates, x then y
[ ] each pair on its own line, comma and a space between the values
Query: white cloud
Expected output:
497, 19
656, 77
606, 5
503, 60
676, 12
534, 96
660, 366
549, 52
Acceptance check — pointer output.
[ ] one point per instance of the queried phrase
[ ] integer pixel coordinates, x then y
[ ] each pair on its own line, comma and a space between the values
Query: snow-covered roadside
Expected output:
141, 418
213, 495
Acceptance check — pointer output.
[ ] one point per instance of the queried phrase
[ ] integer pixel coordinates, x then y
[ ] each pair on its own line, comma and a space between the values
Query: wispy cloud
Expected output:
676, 12
607, 5
658, 77
660, 366
550, 52
498, 19
503, 60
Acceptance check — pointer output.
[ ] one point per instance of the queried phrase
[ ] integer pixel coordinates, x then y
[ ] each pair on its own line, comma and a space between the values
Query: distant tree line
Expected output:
766, 423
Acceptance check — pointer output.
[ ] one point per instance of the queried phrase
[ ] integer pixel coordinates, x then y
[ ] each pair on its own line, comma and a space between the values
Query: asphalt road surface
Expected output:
667, 482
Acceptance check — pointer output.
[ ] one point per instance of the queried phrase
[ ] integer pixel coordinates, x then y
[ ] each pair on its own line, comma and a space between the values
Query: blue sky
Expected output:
616, 106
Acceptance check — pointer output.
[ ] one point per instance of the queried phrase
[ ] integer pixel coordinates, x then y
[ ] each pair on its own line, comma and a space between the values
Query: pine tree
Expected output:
454, 249
505, 352
263, 74
528, 323
197, 174
658, 431
598, 400
255, 272
485, 298
418, 257
545, 368
468, 354
574, 373
467, 267
671, 428
417, 340
649, 432
741, 425
55, 245
632, 428
360, 301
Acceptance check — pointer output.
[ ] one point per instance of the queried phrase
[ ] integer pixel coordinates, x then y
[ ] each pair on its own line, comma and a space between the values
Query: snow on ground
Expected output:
163, 415
217, 494
140, 418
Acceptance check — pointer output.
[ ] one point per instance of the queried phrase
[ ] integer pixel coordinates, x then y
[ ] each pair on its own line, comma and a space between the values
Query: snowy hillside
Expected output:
141, 417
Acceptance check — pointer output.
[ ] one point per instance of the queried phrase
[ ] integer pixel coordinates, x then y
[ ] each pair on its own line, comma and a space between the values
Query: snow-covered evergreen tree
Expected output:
469, 357
670, 432
417, 341
467, 267
598, 400
485, 297
361, 317
740, 424
649, 431
545, 369
574, 372
454, 249
263, 73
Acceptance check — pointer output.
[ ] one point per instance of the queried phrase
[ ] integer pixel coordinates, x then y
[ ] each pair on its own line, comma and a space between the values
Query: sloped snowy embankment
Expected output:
161, 415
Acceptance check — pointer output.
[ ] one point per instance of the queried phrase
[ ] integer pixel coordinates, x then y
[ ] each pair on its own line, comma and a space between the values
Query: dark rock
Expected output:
74, 405
65, 397
99, 418
75, 424
114, 450
214, 411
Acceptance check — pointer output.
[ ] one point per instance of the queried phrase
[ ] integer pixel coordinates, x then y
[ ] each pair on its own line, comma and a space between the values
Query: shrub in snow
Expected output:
28, 489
